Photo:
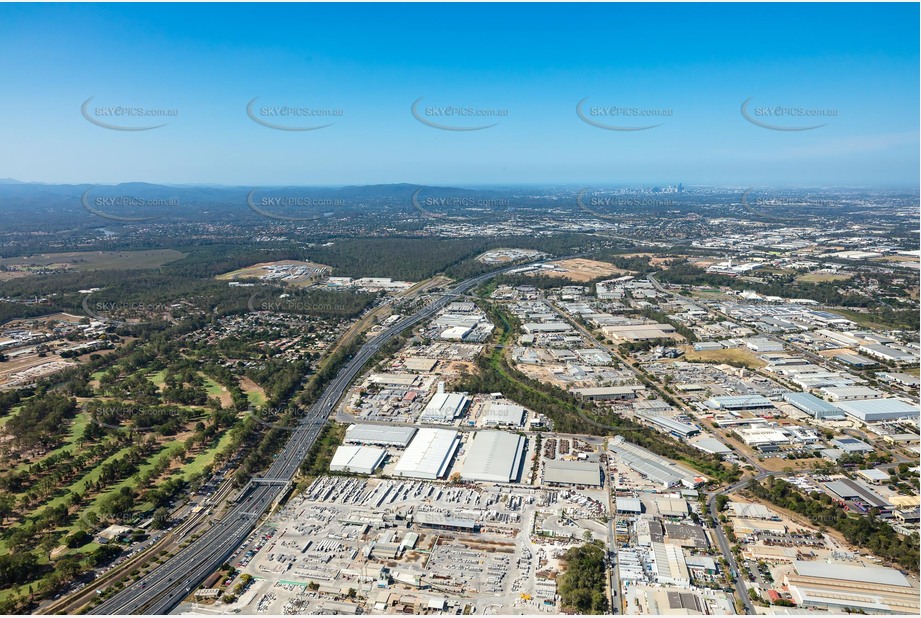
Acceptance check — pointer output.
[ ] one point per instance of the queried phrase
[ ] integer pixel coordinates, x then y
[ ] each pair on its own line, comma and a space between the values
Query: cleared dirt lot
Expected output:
738, 355
580, 270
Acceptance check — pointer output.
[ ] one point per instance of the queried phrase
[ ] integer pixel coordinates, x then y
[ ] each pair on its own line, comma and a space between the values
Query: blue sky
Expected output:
535, 62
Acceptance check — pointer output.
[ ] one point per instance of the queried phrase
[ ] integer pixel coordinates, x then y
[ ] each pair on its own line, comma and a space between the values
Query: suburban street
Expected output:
167, 585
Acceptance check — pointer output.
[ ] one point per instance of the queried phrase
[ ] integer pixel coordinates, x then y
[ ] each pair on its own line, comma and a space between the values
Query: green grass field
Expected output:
158, 378
822, 277
205, 458
97, 260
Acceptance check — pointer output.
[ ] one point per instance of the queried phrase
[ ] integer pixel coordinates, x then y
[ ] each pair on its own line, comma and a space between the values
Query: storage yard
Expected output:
412, 545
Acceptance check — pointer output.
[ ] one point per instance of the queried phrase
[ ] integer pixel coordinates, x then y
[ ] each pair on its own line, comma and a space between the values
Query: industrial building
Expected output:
397, 380
874, 475
671, 426
887, 354
649, 531
812, 405
493, 457
669, 565
712, 446
847, 490
609, 393
851, 445
429, 455
357, 459
856, 361
752, 511
652, 467
563, 472
872, 410
379, 435
444, 407
739, 402
844, 588
673, 508
762, 437
638, 332
628, 506
683, 535
850, 393
503, 414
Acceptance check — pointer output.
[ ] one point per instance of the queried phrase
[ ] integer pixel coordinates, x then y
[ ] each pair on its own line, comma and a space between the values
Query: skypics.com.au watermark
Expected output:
263, 301
291, 117
286, 419
429, 207
113, 416
124, 312
762, 206
120, 117
595, 205
785, 117
290, 207
621, 118
455, 117
128, 208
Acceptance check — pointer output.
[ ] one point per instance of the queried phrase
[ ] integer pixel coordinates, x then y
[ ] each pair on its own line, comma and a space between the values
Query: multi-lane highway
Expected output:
164, 587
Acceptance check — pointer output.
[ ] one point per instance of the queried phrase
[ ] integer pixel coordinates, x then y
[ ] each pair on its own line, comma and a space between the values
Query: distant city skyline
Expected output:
785, 95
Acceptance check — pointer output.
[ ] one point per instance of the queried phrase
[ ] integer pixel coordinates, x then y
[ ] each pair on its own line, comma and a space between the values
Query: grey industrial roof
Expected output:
671, 424
572, 472
504, 413
629, 505
651, 465
493, 456
429, 454
811, 404
686, 532
379, 434
732, 401
851, 445
874, 474
869, 575
846, 488
867, 407
711, 445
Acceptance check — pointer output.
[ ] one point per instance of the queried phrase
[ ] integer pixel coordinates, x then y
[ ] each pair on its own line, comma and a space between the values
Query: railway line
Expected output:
167, 585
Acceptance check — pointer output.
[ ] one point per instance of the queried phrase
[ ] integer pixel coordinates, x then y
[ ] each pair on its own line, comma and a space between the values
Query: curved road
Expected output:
167, 585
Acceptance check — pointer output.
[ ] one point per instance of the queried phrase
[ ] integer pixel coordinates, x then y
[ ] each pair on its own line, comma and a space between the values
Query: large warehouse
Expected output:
357, 459
651, 466
379, 435
503, 414
872, 410
562, 472
739, 402
840, 587
429, 455
444, 407
810, 404
493, 457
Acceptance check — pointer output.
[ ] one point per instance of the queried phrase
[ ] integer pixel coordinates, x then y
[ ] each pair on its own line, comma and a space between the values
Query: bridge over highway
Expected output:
168, 584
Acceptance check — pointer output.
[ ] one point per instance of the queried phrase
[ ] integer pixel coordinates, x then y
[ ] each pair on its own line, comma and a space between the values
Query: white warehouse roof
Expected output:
869, 575
429, 455
493, 457
388, 435
444, 407
501, 413
869, 410
357, 459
